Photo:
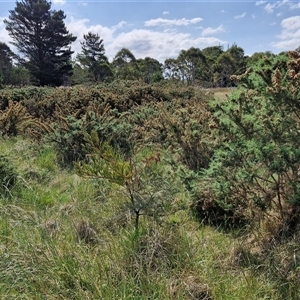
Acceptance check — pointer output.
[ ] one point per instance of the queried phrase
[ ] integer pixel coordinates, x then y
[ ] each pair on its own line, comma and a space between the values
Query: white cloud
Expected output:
176, 22
271, 6
158, 44
283, 2
60, 2
165, 13
287, 44
240, 16
295, 6
119, 25
211, 31
289, 38
290, 24
253, 16
260, 2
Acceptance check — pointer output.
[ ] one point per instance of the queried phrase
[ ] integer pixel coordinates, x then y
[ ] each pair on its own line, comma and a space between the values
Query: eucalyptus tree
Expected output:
225, 67
238, 55
19, 76
257, 56
42, 40
191, 64
80, 74
125, 65
171, 69
150, 69
211, 55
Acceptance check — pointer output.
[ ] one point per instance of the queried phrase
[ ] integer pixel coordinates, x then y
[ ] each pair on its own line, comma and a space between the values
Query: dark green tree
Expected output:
93, 57
211, 55
6, 56
191, 64
19, 76
125, 65
80, 74
42, 40
238, 55
225, 67
150, 69
257, 56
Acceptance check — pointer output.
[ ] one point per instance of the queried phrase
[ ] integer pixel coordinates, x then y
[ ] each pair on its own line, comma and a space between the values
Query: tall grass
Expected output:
64, 237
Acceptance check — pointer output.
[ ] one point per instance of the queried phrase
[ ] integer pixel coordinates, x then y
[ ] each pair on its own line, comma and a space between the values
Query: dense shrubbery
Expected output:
244, 149
254, 173
237, 159
127, 114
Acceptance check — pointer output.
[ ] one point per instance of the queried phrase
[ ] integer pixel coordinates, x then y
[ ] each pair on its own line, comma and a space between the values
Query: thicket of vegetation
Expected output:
130, 190
133, 181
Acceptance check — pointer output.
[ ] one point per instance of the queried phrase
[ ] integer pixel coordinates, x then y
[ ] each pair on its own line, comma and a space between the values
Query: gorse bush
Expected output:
15, 120
181, 126
187, 125
254, 172
70, 135
127, 116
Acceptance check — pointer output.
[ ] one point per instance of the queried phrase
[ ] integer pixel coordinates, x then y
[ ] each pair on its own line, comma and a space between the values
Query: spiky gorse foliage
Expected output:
69, 132
187, 126
181, 125
161, 115
254, 173
120, 95
15, 120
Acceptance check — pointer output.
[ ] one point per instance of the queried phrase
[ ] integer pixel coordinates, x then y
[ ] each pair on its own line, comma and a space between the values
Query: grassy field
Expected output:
221, 93
65, 237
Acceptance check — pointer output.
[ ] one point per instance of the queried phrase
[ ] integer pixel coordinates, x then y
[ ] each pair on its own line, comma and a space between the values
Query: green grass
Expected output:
65, 237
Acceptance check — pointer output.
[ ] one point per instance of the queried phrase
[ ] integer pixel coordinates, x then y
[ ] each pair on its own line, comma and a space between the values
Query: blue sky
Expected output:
161, 29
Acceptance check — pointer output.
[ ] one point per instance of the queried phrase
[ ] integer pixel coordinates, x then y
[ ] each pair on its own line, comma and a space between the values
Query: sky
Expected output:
161, 29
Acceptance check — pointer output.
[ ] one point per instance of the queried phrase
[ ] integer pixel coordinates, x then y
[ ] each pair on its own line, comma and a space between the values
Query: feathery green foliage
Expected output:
150, 189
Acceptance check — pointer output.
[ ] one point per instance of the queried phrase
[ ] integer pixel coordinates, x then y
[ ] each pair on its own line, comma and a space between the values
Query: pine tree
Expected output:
93, 57
6, 56
42, 40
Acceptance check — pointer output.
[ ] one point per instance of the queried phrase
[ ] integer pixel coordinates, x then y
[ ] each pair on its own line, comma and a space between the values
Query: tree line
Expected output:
44, 56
